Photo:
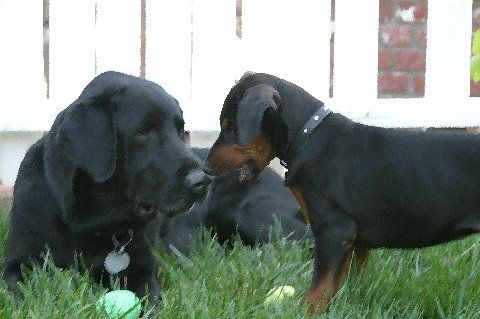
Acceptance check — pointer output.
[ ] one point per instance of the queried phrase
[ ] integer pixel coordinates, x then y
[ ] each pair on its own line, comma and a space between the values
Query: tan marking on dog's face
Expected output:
226, 158
301, 201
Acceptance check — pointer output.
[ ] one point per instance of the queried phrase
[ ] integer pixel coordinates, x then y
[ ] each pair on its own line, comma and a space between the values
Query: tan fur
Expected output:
228, 157
301, 201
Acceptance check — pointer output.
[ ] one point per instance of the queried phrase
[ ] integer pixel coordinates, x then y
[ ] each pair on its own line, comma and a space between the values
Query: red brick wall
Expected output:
401, 48
475, 87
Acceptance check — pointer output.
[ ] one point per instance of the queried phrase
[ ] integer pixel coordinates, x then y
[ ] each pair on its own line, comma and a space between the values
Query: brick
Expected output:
404, 5
474, 89
389, 82
419, 84
405, 11
385, 57
396, 35
386, 10
410, 60
419, 10
476, 12
422, 37
421, 13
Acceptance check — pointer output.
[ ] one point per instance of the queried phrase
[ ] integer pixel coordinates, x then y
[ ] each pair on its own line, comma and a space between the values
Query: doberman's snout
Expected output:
197, 181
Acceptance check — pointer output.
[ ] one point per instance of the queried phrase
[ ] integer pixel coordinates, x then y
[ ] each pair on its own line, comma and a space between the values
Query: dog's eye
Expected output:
144, 131
230, 126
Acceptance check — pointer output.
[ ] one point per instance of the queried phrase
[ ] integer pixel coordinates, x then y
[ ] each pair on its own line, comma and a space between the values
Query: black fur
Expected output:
231, 207
367, 187
112, 160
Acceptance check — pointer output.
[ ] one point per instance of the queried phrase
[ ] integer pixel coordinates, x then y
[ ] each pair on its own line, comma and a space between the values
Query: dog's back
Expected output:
405, 183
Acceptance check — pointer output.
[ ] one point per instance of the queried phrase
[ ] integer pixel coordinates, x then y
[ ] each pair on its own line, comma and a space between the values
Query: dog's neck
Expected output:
281, 127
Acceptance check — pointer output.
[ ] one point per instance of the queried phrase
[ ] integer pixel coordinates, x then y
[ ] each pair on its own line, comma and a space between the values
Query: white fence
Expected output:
192, 51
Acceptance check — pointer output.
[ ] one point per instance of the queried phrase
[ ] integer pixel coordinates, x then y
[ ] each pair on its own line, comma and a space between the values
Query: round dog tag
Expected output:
115, 262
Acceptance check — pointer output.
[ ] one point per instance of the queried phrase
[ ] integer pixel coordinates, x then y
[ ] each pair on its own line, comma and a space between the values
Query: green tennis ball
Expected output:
116, 303
475, 68
278, 294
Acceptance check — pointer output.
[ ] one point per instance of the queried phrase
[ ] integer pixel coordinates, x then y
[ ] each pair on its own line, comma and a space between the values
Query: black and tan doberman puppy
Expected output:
112, 160
248, 209
363, 187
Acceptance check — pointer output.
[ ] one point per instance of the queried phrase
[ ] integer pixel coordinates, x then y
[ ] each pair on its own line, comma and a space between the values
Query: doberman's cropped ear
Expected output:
251, 107
88, 137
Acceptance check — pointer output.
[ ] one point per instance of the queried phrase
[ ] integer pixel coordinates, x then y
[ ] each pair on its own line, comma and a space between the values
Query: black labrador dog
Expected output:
112, 160
248, 209
363, 187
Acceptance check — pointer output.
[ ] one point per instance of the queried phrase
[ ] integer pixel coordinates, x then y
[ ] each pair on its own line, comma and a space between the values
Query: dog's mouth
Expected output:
146, 211
249, 171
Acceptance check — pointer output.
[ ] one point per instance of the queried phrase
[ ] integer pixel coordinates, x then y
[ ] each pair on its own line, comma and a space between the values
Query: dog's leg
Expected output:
12, 275
357, 264
301, 201
333, 241
361, 257
348, 264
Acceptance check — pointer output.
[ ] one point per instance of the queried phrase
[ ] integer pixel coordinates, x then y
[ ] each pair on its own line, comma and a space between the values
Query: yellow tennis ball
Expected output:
278, 294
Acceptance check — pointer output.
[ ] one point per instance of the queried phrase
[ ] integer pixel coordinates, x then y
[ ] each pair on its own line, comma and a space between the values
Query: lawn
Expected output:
215, 282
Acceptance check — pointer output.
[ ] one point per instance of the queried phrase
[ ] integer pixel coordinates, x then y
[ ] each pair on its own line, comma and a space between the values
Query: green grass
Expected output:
214, 282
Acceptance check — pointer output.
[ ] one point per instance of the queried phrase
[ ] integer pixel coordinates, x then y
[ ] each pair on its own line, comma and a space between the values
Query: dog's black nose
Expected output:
198, 181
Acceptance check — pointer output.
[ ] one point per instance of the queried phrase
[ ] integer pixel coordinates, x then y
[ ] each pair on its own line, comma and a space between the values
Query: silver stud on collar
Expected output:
305, 131
316, 117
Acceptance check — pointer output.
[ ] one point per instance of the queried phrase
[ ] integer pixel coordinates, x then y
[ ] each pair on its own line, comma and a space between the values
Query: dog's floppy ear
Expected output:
251, 107
83, 136
88, 137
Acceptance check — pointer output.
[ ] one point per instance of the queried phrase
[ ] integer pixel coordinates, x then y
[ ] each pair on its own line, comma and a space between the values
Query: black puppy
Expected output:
112, 160
363, 187
249, 209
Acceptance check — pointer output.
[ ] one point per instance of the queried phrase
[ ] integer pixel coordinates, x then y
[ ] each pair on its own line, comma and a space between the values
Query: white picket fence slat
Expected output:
72, 49
214, 62
448, 50
22, 87
289, 39
356, 51
168, 49
117, 36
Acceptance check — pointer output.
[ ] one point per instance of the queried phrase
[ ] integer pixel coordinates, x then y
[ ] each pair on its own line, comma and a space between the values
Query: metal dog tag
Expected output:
116, 261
